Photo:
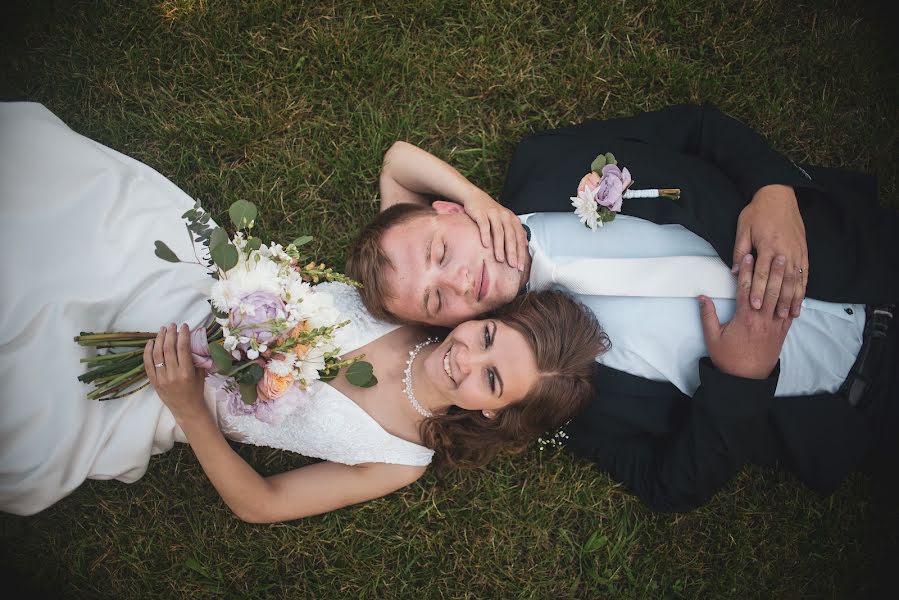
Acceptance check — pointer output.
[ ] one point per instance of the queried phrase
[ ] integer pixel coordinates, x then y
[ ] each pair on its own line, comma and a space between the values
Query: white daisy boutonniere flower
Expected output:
598, 205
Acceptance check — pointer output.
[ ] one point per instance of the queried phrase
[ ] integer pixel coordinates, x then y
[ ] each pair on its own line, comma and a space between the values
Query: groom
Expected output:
672, 427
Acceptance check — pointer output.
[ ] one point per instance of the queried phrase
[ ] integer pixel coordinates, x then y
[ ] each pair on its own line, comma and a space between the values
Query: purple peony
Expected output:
275, 411
610, 192
268, 411
262, 307
199, 350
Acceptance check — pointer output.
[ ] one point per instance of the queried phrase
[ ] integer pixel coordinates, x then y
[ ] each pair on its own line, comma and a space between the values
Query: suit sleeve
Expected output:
682, 470
698, 130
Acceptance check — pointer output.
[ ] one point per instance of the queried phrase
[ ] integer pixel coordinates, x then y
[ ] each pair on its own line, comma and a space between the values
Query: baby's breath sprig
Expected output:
555, 439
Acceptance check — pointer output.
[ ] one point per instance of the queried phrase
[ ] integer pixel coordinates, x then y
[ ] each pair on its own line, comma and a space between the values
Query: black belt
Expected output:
868, 363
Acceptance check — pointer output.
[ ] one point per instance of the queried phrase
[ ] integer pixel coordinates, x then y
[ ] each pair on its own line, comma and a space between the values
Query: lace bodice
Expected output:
328, 425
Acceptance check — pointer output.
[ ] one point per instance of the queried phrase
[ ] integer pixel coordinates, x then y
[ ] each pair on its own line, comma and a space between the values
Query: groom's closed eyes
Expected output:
442, 274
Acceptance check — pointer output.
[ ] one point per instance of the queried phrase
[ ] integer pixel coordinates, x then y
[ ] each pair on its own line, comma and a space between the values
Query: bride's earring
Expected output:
488, 413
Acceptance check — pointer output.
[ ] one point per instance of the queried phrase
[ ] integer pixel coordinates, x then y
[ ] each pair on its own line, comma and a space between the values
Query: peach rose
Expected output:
274, 386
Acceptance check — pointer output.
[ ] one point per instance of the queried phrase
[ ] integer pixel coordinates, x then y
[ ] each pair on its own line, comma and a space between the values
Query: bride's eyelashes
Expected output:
488, 341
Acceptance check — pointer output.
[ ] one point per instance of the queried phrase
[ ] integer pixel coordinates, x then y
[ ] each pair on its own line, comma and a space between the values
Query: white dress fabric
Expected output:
78, 225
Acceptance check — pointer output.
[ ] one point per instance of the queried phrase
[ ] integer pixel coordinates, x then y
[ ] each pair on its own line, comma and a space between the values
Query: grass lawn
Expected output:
291, 105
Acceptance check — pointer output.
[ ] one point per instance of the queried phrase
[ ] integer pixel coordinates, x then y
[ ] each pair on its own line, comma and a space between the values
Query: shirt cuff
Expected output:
732, 396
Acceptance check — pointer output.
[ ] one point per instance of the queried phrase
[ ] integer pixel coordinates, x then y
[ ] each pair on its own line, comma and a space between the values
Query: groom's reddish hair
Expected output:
368, 263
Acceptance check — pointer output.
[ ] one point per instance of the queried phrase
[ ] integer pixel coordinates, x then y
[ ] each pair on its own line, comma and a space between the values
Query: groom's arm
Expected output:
683, 469
743, 155
410, 174
770, 222
727, 413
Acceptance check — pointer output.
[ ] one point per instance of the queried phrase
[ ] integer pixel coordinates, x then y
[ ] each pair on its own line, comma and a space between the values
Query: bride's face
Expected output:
482, 365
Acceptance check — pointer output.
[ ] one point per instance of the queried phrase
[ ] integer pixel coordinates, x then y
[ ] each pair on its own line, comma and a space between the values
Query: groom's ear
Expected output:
444, 208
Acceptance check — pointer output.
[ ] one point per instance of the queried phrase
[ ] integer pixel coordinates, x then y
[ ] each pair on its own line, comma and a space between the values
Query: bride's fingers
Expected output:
148, 362
185, 361
158, 357
170, 355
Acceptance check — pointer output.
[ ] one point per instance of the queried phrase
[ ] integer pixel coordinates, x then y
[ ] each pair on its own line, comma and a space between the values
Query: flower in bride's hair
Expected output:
585, 208
199, 349
272, 385
614, 182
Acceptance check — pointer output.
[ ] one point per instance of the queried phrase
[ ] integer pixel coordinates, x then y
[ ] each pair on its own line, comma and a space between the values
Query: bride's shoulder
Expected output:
363, 326
346, 298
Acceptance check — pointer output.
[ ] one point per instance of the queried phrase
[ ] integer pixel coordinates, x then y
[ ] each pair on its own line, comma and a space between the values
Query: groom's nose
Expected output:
458, 280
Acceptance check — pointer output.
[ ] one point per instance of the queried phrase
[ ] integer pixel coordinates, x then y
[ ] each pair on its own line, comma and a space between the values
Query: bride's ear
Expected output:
488, 413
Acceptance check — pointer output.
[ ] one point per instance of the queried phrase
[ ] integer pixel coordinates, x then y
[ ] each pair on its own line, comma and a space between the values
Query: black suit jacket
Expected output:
671, 450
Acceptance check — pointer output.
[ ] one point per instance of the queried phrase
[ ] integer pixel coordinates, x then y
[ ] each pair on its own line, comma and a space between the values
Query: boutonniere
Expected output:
595, 206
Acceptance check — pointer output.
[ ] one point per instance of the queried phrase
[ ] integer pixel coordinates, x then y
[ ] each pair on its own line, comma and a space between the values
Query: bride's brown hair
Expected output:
566, 339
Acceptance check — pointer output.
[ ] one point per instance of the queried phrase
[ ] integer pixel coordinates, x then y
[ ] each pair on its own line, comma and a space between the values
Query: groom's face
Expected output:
442, 274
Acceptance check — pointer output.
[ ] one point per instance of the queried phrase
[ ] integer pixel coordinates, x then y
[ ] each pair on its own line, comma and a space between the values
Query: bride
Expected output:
79, 220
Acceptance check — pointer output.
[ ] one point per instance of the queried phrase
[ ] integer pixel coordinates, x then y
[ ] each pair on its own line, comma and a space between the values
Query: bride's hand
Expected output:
170, 368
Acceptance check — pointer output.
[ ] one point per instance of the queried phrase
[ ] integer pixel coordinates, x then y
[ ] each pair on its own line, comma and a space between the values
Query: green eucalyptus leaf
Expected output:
165, 253
220, 357
253, 244
610, 159
224, 256
598, 163
250, 375
359, 373
219, 236
248, 393
242, 213
327, 375
302, 240
373, 381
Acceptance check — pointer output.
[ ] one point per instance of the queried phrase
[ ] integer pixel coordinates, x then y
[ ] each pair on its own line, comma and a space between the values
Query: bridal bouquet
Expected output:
270, 332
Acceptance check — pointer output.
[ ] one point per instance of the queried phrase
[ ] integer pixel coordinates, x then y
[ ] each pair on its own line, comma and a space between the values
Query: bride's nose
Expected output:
468, 358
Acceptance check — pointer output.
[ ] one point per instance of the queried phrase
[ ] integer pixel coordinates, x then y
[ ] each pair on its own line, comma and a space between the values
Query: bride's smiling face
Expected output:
481, 365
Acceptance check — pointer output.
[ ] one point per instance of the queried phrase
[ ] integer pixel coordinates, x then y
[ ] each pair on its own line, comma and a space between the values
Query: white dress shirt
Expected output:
661, 338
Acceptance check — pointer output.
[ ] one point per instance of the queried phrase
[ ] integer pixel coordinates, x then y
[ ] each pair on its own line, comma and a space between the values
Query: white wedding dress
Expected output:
78, 225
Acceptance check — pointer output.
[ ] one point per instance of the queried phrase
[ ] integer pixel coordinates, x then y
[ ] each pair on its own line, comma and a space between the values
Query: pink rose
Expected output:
610, 192
199, 350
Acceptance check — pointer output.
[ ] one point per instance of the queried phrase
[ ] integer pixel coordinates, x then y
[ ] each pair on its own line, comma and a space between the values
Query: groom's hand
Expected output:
771, 224
500, 228
748, 345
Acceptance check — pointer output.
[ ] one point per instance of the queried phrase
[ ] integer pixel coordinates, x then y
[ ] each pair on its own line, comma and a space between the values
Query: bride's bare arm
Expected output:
303, 492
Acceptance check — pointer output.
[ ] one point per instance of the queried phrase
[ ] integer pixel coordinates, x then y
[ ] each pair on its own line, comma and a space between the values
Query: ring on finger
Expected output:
159, 365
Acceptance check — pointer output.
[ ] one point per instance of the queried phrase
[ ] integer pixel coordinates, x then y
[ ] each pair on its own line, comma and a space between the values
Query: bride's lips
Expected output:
484, 283
447, 364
